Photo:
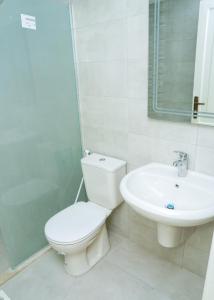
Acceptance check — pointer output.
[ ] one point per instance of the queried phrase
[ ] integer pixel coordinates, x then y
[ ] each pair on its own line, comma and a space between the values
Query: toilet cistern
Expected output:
181, 163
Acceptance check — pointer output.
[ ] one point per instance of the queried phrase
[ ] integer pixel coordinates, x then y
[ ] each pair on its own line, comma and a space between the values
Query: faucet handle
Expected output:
182, 155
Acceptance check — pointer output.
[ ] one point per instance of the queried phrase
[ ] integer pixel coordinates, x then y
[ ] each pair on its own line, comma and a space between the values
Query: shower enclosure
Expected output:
40, 145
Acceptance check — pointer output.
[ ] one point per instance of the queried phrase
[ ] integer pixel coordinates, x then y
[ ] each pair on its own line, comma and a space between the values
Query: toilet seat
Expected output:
76, 223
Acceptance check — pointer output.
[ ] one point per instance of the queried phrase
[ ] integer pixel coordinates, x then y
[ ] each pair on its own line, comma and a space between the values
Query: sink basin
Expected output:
156, 192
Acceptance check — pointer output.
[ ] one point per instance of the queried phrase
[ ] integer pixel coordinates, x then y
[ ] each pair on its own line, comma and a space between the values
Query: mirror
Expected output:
181, 60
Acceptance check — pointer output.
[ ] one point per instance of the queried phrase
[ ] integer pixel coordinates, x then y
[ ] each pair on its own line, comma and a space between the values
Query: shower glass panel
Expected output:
40, 145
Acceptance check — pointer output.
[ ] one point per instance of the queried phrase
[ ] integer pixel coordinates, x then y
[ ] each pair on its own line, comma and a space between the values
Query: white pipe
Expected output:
86, 152
79, 190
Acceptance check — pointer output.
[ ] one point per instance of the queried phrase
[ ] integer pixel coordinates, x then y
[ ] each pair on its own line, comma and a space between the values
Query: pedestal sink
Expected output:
175, 203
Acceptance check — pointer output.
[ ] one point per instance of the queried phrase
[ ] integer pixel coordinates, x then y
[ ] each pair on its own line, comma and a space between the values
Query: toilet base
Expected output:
82, 261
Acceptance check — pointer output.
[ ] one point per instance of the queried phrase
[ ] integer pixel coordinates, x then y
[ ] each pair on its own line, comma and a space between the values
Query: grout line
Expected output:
78, 28
76, 70
196, 148
109, 21
125, 58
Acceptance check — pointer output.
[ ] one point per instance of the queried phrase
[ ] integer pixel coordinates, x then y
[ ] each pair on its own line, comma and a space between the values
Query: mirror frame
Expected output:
154, 111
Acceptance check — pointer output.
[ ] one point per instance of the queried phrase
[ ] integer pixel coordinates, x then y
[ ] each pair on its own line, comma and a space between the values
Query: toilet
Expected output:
79, 231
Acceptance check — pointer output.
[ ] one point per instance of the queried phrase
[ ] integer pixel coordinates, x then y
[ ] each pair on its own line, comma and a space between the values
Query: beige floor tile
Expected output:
127, 272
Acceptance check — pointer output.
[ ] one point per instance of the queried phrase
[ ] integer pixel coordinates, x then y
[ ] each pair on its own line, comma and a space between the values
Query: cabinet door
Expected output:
204, 67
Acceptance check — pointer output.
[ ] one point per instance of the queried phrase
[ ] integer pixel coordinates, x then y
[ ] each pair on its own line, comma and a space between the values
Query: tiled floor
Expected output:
128, 272
4, 265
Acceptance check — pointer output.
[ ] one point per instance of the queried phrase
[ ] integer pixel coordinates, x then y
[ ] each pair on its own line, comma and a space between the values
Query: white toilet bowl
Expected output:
79, 233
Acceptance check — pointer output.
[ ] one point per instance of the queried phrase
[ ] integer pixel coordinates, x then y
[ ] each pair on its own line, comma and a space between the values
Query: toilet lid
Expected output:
75, 222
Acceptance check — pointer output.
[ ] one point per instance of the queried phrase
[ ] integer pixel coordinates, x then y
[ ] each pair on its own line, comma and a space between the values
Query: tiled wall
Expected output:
112, 59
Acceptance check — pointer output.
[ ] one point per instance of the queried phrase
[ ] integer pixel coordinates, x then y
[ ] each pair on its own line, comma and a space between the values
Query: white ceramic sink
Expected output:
149, 189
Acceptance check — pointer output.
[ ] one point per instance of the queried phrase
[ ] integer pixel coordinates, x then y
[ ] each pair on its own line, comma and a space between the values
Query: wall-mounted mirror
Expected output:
181, 60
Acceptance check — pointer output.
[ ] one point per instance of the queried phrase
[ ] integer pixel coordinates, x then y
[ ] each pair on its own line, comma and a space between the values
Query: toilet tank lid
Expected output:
104, 162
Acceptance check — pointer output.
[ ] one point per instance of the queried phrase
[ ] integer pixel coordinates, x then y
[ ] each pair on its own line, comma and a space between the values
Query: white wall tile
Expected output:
92, 113
116, 115
87, 12
205, 160
92, 138
136, 7
101, 43
137, 46
102, 79
144, 149
137, 113
139, 149
108, 113
139, 123
137, 79
163, 151
138, 120
115, 144
206, 136
179, 132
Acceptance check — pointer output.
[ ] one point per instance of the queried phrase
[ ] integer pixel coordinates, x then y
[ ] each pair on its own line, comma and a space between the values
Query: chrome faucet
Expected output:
181, 163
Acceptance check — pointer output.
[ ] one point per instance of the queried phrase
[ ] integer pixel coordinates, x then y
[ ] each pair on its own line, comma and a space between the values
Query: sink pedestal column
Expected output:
170, 236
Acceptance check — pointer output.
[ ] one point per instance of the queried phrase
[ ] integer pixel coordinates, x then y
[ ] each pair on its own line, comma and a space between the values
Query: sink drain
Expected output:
170, 206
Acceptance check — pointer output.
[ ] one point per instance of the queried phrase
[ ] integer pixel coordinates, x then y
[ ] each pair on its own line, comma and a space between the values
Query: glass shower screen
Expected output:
40, 145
